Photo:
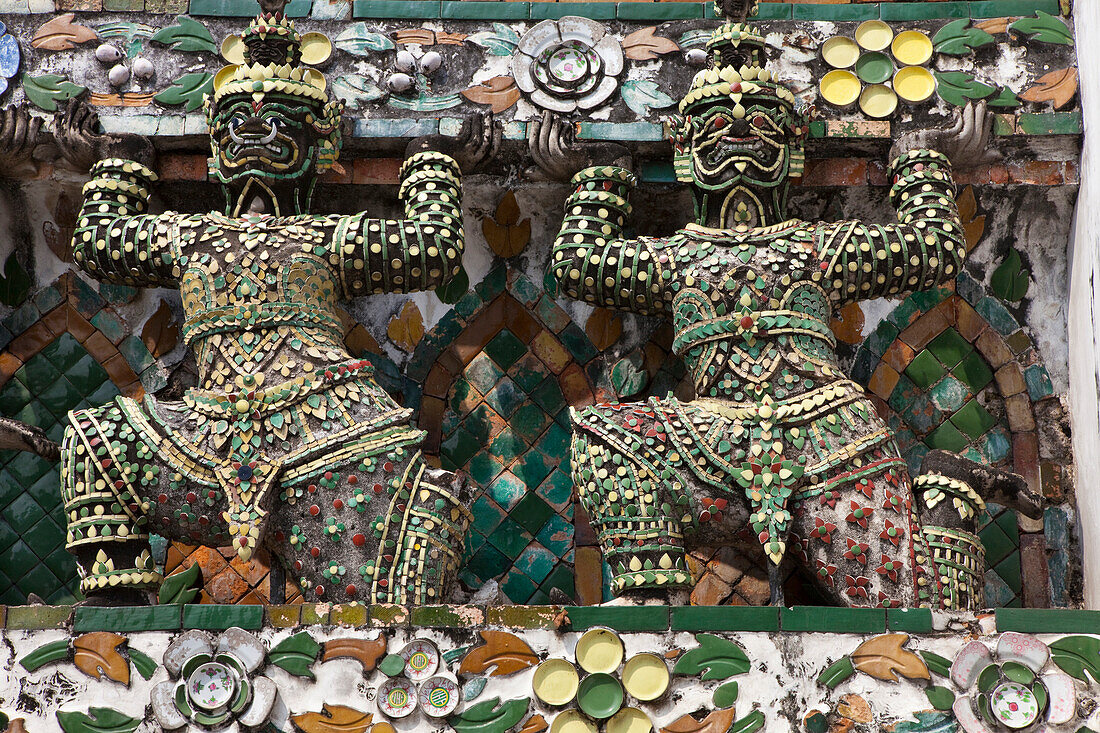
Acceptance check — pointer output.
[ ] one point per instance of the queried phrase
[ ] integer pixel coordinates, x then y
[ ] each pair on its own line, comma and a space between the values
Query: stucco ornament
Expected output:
1007, 690
568, 64
214, 684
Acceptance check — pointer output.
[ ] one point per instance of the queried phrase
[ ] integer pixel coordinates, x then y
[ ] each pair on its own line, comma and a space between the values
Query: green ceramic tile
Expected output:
725, 618
282, 617
924, 10
507, 489
487, 515
222, 617
1049, 123
974, 372
946, 437
973, 420
504, 348
518, 587
997, 544
244, 8
1004, 8
507, 446
483, 468
38, 617
867, 11
488, 562
510, 538
536, 562
548, 395
348, 614
528, 372
396, 9
477, 10
950, 347
482, 373
388, 615
924, 370
533, 467
132, 618
1047, 620
531, 513
521, 617
659, 11
447, 616
620, 131
625, 618
838, 620
315, 613
529, 421
481, 423
1010, 572
654, 171
912, 620
459, 447
555, 10
506, 397
949, 394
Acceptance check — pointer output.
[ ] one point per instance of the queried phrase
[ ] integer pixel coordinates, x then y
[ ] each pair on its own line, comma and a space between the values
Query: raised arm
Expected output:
592, 263
926, 248
421, 251
115, 241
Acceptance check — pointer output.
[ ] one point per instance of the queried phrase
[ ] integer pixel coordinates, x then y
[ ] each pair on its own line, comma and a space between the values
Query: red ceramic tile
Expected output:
1020, 417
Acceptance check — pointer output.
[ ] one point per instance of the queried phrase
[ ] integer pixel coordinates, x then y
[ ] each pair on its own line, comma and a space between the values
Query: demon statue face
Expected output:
272, 127
739, 140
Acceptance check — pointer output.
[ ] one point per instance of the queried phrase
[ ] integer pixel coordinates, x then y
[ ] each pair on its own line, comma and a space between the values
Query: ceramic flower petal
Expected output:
544, 100
1023, 648
612, 54
574, 28
538, 37
599, 95
970, 660
264, 693
164, 706
231, 728
185, 646
1062, 707
244, 646
521, 72
968, 720
9, 56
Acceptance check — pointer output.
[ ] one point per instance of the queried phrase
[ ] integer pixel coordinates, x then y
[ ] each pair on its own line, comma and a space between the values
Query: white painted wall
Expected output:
1084, 308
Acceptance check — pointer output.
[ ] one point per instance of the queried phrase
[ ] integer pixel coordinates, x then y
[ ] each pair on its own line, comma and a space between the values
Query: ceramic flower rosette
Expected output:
1008, 689
601, 686
568, 64
213, 684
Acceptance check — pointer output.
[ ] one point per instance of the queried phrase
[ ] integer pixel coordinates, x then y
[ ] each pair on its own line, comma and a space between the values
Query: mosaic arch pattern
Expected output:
498, 374
953, 369
63, 349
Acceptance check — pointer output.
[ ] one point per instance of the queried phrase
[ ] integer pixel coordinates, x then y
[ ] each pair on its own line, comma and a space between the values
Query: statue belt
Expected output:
752, 324
258, 316
799, 408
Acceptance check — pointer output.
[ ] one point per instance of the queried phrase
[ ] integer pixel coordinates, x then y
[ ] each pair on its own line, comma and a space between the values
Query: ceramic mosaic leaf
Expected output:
957, 87
506, 235
883, 658
629, 376
356, 90
641, 95
604, 327
927, 722
1057, 87
333, 719
365, 651
475, 687
1010, 279
358, 40
501, 41
937, 664
181, 587
718, 721
425, 102
1077, 656
187, 90
749, 723
96, 655
941, 698
847, 325
47, 90
957, 38
642, 45
726, 695
836, 673
721, 658
61, 34
503, 653
490, 716
296, 654
54, 651
500, 92
1045, 28
994, 25
15, 283
425, 37
143, 663
407, 327
187, 34
97, 720
1005, 98
973, 224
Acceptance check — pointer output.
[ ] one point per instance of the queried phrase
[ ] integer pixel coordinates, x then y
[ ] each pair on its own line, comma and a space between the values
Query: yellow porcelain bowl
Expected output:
914, 83
912, 48
572, 721
840, 87
599, 650
874, 35
878, 101
629, 720
840, 52
555, 682
645, 677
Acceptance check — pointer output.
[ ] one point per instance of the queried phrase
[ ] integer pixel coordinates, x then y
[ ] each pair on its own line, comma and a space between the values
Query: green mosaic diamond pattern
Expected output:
507, 427
60, 378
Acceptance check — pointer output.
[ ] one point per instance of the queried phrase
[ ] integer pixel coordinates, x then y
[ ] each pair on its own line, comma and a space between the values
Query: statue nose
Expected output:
254, 126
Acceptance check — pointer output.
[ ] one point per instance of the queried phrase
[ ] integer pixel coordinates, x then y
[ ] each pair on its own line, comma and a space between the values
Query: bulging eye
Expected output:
718, 123
758, 122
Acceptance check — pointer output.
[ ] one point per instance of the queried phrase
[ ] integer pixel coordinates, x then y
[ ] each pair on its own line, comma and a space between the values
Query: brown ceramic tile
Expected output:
589, 578
726, 564
449, 361
883, 381
1010, 379
710, 591
924, 329
993, 348
550, 350
1025, 458
431, 418
254, 571
1018, 342
583, 533
898, 355
575, 387
438, 382
118, 370
9, 365
78, 325
472, 340
1050, 474
134, 390
30, 342
99, 347
520, 322
1020, 417
1034, 570
57, 320
969, 323
227, 586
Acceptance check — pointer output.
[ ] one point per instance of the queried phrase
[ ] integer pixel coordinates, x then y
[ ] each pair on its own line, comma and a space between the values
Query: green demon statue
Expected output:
779, 441
286, 442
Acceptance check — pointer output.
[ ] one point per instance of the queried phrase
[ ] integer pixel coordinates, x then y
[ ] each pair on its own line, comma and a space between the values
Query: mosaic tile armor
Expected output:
779, 441
286, 441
